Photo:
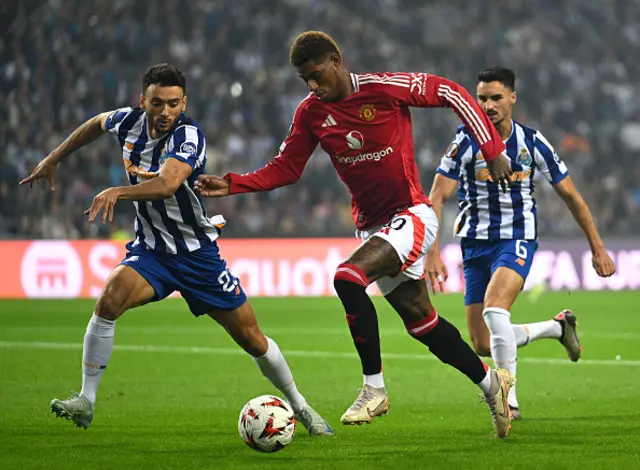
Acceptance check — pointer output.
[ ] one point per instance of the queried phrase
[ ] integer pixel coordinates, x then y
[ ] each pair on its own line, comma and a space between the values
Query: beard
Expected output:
159, 126
498, 122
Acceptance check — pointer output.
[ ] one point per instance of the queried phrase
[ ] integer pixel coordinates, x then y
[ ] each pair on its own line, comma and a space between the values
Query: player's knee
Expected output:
108, 307
254, 342
347, 276
496, 300
414, 314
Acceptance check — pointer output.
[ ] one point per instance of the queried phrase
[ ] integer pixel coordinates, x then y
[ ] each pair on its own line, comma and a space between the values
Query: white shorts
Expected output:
411, 233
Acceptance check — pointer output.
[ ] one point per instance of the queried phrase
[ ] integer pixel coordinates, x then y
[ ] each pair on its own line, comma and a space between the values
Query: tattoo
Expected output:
377, 258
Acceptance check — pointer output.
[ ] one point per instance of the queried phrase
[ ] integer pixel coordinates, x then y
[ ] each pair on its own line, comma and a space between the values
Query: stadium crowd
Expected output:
62, 62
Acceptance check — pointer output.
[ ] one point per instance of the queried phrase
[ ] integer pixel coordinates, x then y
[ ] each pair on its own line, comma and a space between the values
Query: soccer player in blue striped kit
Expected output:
175, 247
499, 232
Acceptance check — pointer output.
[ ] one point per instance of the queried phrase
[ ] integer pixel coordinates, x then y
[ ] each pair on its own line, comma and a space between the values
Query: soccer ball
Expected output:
267, 423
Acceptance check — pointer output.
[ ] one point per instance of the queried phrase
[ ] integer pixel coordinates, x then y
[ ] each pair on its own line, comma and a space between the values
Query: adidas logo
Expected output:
329, 121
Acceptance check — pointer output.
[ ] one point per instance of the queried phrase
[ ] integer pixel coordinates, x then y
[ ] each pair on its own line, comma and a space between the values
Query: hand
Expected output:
212, 186
436, 270
46, 169
500, 171
602, 263
105, 201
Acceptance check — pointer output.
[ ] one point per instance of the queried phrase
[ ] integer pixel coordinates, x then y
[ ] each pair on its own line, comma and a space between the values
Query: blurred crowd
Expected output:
62, 62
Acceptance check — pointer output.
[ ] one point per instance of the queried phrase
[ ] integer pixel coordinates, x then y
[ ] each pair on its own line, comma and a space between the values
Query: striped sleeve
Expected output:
547, 160
115, 119
446, 93
431, 91
187, 144
450, 162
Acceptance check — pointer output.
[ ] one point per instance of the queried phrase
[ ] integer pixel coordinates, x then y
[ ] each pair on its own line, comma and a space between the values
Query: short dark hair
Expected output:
499, 74
312, 45
164, 75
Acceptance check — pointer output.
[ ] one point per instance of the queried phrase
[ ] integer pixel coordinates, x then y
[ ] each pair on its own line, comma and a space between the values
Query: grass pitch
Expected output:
175, 385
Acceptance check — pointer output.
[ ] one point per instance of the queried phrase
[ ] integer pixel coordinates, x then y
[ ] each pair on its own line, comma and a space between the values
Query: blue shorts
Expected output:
201, 277
481, 258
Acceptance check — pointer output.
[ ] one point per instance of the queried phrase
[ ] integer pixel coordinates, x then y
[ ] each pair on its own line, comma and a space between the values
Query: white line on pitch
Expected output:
296, 353
272, 331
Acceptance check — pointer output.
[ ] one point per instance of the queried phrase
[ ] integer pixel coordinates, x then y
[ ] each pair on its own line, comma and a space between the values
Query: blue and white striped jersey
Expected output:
486, 213
178, 224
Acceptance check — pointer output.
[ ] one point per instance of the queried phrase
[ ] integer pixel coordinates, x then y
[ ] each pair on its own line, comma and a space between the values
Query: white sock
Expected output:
98, 345
375, 380
485, 384
521, 333
503, 343
525, 334
275, 368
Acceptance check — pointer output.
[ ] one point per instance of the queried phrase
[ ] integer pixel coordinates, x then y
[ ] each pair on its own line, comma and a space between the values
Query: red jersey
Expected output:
369, 139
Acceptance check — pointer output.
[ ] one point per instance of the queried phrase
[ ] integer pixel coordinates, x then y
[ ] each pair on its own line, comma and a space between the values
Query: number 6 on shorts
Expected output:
521, 250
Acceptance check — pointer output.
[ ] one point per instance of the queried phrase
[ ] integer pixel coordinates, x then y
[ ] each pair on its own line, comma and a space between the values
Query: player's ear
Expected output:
336, 60
514, 98
142, 102
184, 103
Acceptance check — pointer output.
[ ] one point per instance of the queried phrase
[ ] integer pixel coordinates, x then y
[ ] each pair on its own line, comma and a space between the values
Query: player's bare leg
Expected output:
478, 331
502, 291
125, 288
242, 326
411, 300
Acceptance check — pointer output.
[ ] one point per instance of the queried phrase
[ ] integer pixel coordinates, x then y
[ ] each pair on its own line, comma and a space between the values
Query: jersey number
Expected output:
227, 282
521, 250
396, 224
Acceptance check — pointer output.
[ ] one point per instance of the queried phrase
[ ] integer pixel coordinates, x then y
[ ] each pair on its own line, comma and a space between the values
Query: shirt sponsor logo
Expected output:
363, 157
355, 140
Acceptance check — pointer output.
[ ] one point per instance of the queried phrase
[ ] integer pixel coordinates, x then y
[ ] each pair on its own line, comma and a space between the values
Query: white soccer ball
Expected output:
267, 423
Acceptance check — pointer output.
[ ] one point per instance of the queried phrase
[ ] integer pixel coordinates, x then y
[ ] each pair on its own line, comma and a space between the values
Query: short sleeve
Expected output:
547, 160
187, 145
115, 120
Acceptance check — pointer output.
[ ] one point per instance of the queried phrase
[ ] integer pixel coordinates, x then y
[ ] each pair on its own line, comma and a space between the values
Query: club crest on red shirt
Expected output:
367, 112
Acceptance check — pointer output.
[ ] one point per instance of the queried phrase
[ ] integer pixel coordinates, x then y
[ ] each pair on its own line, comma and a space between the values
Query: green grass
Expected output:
177, 406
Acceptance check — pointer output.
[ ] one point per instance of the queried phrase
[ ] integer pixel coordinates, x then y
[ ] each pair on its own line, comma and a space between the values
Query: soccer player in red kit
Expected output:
363, 122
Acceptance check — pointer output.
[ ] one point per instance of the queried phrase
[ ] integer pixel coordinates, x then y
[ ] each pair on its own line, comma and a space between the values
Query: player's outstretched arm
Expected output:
285, 169
83, 135
442, 189
602, 262
161, 186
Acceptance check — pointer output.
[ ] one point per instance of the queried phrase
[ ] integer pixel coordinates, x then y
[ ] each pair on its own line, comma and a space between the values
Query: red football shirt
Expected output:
369, 139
